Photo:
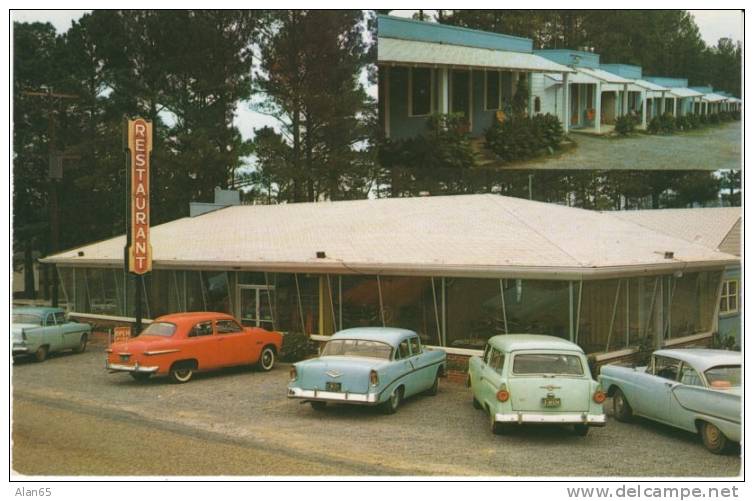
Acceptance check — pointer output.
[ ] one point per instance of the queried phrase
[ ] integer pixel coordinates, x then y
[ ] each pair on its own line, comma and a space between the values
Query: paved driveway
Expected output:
230, 417
713, 148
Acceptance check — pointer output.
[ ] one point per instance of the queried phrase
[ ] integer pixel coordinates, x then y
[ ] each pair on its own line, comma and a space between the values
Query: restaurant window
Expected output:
492, 90
420, 91
693, 297
355, 301
729, 297
412, 303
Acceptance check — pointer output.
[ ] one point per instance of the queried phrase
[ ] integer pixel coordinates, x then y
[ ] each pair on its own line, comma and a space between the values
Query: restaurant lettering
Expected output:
140, 144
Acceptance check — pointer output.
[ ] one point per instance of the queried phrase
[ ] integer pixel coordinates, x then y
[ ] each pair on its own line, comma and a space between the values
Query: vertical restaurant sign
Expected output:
140, 144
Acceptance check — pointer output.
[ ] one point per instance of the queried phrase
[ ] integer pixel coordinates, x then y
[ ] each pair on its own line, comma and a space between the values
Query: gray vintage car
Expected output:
697, 390
39, 331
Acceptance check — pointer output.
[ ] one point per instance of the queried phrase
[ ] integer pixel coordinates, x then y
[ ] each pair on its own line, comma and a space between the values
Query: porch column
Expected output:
675, 107
625, 99
531, 99
444, 108
598, 107
566, 102
662, 103
644, 109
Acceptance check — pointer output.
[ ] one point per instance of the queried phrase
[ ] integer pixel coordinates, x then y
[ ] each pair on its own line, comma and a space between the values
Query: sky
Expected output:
713, 24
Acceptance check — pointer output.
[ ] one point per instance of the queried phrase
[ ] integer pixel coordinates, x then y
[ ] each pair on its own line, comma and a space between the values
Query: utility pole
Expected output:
55, 173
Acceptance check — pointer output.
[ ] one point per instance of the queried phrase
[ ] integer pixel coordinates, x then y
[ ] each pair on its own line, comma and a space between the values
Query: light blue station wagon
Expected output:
368, 366
39, 331
533, 379
697, 390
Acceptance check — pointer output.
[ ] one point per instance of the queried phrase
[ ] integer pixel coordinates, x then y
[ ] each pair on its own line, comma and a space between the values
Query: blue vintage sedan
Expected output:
39, 331
368, 366
697, 390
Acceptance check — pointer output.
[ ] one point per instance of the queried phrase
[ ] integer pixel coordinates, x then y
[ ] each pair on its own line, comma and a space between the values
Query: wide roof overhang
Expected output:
398, 52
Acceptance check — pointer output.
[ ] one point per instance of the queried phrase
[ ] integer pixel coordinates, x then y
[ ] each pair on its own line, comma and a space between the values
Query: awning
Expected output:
393, 51
685, 92
713, 98
610, 81
574, 78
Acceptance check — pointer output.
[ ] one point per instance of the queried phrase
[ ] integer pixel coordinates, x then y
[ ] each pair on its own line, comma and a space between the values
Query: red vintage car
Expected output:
182, 343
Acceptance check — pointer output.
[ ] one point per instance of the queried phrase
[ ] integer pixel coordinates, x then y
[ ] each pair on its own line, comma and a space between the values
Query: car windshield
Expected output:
356, 348
27, 318
159, 329
724, 376
547, 363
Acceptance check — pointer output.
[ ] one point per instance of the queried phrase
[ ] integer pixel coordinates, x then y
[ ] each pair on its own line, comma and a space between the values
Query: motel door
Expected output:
460, 94
255, 305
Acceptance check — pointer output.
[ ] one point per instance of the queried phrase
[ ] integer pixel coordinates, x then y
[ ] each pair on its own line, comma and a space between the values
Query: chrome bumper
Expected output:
131, 368
532, 417
20, 349
331, 396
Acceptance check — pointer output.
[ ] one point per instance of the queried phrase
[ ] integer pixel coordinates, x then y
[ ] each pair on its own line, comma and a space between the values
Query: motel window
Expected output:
729, 297
420, 91
492, 90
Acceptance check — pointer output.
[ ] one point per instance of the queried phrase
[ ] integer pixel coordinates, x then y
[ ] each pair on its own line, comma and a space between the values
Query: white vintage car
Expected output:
698, 390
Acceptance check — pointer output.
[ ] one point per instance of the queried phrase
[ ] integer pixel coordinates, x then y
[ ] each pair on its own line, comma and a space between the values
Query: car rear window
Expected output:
548, 363
356, 348
724, 376
159, 329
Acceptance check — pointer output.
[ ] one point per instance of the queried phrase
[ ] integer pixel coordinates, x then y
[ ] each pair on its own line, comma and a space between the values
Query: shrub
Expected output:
663, 124
714, 118
625, 124
548, 131
296, 347
521, 138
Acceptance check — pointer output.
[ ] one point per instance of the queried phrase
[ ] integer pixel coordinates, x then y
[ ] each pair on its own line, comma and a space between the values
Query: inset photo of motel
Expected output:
377, 244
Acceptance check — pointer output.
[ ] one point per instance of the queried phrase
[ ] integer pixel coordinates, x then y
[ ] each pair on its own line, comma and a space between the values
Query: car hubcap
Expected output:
183, 374
267, 359
713, 435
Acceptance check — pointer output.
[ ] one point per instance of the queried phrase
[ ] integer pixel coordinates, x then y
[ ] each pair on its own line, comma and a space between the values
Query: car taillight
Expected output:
293, 373
599, 396
503, 395
374, 379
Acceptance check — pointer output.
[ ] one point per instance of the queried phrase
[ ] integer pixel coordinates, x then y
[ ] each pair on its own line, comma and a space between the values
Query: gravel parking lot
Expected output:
440, 435
713, 148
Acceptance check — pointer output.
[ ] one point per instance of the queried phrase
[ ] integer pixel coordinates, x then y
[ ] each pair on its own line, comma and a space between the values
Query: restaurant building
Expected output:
456, 269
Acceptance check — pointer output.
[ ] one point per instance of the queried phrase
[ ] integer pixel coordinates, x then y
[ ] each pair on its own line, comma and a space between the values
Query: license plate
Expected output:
551, 402
332, 386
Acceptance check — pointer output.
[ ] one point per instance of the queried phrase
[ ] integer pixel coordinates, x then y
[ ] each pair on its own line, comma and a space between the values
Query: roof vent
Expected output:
321, 255
669, 254
81, 253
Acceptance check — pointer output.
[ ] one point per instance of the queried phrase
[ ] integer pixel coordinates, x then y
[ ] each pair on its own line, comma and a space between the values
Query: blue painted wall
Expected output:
730, 324
408, 29
568, 57
624, 70
668, 81
402, 126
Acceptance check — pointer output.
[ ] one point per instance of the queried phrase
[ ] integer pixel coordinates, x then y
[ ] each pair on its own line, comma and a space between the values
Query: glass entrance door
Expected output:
256, 305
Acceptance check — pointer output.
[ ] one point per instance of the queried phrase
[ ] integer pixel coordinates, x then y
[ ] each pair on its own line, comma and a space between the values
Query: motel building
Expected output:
455, 269
427, 68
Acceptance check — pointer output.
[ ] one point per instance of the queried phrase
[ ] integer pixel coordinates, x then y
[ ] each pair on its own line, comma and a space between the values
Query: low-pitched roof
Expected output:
717, 228
413, 52
461, 235
713, 98
685, 92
